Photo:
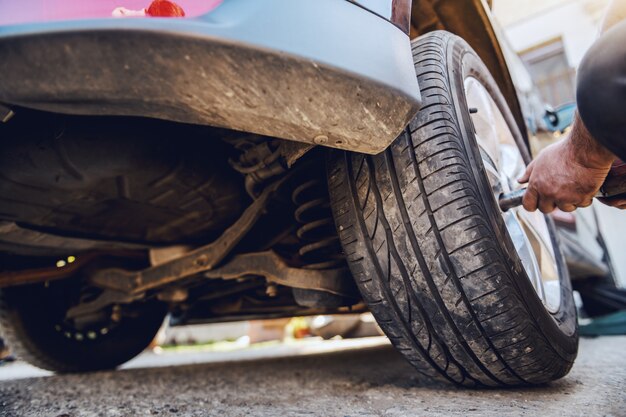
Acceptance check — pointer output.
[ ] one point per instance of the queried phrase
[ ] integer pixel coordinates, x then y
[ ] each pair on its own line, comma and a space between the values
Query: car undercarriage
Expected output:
176, 200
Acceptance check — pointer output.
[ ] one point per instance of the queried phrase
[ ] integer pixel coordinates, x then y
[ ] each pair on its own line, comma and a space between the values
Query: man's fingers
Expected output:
567, 208
546, 205
530, 200
568, 205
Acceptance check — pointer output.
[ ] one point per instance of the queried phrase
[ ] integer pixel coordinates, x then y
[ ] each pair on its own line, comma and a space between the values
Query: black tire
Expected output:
29, 322
4, 350
428, 248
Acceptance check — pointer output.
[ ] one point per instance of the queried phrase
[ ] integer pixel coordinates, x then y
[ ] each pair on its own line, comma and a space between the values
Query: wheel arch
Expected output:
472, 21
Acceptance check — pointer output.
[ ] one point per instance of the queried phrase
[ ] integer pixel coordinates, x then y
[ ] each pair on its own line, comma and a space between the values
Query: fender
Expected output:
326, 72
471, 20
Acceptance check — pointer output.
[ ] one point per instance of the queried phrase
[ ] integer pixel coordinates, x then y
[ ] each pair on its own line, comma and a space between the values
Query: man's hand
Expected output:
567, 174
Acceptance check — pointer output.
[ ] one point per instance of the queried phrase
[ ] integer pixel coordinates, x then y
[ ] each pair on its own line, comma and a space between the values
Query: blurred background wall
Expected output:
551, 37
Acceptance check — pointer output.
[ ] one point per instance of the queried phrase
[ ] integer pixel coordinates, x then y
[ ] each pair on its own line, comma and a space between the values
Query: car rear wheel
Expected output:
34, 324
467, 293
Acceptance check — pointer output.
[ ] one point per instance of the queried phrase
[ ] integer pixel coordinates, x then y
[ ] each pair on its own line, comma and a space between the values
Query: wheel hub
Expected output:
503, 163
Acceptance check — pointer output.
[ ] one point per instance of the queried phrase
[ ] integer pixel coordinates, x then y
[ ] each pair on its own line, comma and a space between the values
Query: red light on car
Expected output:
29, 11
164, 8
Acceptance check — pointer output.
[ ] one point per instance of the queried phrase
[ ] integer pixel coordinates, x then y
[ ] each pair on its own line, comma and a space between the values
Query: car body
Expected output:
171, 157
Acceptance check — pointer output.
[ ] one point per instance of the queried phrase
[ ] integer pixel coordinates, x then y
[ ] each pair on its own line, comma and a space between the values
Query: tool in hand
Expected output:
613, 186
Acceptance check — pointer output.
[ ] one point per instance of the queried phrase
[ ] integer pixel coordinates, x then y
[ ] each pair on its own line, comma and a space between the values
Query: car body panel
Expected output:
297, 70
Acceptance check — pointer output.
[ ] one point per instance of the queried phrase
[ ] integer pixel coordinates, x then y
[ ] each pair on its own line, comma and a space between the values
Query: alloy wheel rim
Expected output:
503, 164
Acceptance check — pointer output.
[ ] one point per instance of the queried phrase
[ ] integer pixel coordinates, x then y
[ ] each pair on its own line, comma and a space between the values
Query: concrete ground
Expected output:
338, 378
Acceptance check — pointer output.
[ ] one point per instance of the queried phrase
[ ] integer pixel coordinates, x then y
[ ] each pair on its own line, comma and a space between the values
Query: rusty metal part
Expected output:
194, 262
160, 256
173, 295
105, 299
265, 264
292, 151
271, 290
259, 162
275, 270
33, 276
320, 242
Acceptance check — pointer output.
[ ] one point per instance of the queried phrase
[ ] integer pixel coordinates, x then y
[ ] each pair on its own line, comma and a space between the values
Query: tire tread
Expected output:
436, 281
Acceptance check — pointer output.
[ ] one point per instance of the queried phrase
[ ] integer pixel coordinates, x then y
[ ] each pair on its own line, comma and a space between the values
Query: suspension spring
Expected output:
321, 248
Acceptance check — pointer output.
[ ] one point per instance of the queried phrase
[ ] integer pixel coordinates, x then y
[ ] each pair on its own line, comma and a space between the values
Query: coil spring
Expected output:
321, 249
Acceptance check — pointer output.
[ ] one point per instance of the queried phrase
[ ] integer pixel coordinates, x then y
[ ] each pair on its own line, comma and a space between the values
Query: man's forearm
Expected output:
588, 151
